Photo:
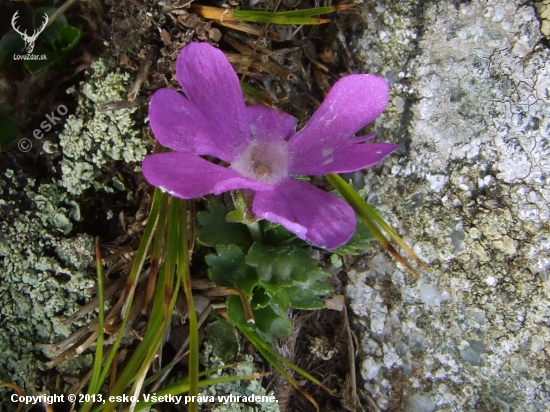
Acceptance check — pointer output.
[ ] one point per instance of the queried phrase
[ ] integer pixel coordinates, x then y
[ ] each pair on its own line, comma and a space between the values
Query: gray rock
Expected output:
471, 351
470, 193
419, 403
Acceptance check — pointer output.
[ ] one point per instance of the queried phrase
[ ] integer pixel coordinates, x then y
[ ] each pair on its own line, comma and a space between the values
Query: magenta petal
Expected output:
185, 175
353, 102
348, 158
210, 82
268, 125
178, 124
312, 214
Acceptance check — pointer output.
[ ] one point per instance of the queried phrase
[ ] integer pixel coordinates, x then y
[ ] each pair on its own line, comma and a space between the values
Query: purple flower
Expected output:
261, 145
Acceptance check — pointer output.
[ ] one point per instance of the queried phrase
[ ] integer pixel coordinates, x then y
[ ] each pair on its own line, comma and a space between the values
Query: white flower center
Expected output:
265, 162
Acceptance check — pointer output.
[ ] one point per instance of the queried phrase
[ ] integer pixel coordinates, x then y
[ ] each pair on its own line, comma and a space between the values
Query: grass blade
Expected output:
182, 386
158, 211
272, 357
298, 17
185, 278
98, 356
139, 260
258, 94
274, 18
396, 238
296, 13
163, 305
365, 213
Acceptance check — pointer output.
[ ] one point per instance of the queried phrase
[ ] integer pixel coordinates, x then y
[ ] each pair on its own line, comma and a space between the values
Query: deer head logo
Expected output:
29, 40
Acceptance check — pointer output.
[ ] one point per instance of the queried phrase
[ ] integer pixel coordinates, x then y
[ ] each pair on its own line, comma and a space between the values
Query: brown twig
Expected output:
62, 9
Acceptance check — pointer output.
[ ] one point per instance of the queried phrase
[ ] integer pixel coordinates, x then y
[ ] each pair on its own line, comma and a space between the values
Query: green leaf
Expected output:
359, 242
228, 268
271, 323
265, 318
221, 335
281, 265
281, 327
277, 235
274, 358
8, 126
68, 38
307, 296
52, 31
277, 294
235, 216
235, 312
280, 299
34, 66
10, 44
214, 230
260, 298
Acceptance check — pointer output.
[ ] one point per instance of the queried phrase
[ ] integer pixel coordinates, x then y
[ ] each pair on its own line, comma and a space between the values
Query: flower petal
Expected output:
312, 214
177, 123
269, 125
353, 102
347, 158
185, 175
210, 82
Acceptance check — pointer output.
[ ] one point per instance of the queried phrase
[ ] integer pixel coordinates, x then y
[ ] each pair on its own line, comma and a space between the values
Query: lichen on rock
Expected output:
253, 387
92, 138
45, 272
471, 195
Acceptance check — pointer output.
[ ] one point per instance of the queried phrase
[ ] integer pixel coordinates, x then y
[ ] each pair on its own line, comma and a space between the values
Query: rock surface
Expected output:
470, 194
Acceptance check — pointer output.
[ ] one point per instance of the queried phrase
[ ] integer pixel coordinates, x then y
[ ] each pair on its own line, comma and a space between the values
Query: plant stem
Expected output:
256, 231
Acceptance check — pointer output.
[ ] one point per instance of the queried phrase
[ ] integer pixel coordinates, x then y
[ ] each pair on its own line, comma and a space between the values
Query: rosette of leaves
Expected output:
55, 42
276, 274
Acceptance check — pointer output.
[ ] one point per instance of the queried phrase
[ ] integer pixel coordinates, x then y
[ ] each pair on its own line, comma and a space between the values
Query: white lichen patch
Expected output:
239, 388
471, 196
44, 274
92, 138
